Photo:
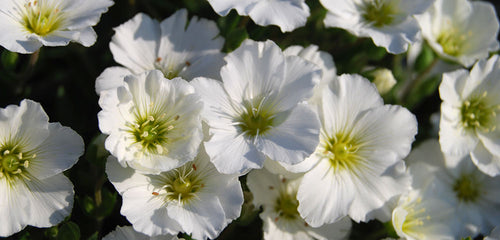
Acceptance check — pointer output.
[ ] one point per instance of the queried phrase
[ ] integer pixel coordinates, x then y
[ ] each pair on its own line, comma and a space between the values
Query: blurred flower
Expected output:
258, 110
383, 80
460, 30
472, 194
420, 217
389, 23
358, 165
286, 14
128, 233
33, 155
153, 123
277, 195
470, 122
193, 198
26, 25
174, 46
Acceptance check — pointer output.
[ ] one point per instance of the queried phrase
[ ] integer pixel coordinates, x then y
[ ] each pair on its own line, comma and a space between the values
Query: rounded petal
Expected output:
287, 14
110, 78
293, 140
135, 43
25, 125
324, 196
60, 150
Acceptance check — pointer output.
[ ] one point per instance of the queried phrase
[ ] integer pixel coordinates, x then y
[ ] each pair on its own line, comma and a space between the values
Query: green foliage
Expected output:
68, 231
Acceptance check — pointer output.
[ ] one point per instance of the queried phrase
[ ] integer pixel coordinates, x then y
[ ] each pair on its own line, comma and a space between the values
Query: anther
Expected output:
26, 164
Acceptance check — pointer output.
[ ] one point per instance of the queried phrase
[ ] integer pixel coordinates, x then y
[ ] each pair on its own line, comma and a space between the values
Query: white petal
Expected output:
293, 140
325, 196
14, 206
255, 69
86, 13
454, 139
222, 7
265, 187
147, 214
51, 200
60, 150
288, 15
231, 153
452, 86
202, 218
135, 43
375, 186
376, 130
110, 78
25, 125
485, 161
301, 77
341, 102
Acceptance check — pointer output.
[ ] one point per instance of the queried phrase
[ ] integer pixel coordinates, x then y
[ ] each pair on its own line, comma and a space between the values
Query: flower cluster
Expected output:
201, 135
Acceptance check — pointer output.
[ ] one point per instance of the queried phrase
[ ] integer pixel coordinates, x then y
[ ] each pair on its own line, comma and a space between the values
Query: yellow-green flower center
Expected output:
466, 188
181, 184
255, 121
477, 114
151, 131
378, 12
342, 151
286, 206
42, 18
452, 42
13, 163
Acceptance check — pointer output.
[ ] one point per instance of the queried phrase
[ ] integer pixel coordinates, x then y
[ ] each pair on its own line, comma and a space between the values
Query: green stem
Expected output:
405, 92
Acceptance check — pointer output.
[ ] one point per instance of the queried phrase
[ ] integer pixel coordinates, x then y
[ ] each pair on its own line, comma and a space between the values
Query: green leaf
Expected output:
94, 236
9, 60
235, 38
424, 59
69, 231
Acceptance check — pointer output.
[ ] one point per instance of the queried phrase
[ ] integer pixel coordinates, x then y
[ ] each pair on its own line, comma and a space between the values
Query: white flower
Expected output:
26, 25
470, 119
128, 233
286, 14
33, 155
420, 217
176, 48
389, 23
277, 195
472, 194
358, 163
193, 198
153, 123
460, 30
259, 110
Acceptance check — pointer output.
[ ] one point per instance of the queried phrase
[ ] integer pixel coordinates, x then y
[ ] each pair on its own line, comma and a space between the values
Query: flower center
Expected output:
341, 151
476, 114
452, 41
466, 188
151, 132
181, 184
255, 121
42, 17
378, 12
286, 206
170, 70
13, 163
